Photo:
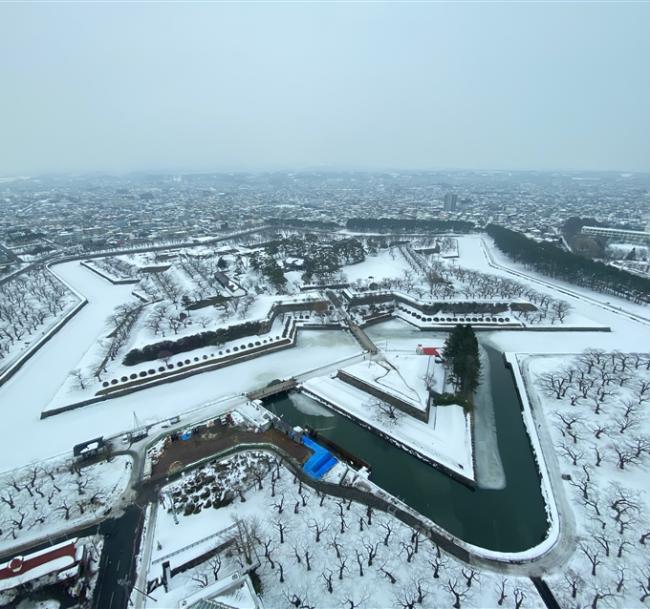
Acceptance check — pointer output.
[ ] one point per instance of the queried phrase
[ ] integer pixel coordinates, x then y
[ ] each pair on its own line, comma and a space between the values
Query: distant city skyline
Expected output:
177, 88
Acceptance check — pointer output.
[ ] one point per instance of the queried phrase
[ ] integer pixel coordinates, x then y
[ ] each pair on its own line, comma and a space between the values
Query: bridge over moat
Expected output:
273, 389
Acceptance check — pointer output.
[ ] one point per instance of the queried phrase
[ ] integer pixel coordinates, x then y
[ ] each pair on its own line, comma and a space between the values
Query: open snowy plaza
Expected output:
268, 436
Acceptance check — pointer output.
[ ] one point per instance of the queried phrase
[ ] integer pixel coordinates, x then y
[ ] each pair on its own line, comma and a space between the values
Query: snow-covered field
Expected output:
596, 406
327, 552
44, 500
404, 377
388, 264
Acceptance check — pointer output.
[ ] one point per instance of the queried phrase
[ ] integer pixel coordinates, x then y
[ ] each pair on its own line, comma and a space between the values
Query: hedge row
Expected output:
167, 348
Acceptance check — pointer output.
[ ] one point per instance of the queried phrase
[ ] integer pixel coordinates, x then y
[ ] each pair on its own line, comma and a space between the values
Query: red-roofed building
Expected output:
50, 561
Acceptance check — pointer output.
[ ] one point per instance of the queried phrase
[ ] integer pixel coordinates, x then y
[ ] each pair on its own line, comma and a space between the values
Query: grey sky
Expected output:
121, 87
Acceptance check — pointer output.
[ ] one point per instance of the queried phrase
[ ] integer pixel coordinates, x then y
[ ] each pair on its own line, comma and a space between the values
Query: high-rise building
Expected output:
450, 201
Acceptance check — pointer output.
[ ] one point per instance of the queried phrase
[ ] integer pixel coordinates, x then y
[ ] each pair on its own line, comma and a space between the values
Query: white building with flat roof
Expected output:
618, 234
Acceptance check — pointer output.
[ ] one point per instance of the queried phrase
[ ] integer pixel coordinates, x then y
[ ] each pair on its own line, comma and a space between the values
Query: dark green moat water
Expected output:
509, 520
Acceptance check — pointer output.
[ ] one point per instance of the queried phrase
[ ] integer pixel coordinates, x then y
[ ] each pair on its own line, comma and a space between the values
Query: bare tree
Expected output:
371, 551
64, 507
572, 581
267, 552
501, 591
438, 562
342, 565
355, 604
593, 556
643, 581
571, 453
624, 509
215, 565
201, 580
389, 576
457, 592
385, 412
470, 575
359, 562
554, 384
386, 526
599, 592
8, 499
327, 578
281, 527
79, 379
279, 505
319, 527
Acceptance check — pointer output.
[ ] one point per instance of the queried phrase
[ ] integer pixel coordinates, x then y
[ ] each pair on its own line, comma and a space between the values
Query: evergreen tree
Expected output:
461, 353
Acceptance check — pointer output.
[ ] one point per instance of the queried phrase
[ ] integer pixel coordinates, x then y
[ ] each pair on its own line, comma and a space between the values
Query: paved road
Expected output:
117, 565
545, 593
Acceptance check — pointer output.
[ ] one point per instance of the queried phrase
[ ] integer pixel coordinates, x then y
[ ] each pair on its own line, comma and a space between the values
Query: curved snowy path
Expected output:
22, 398
627, 334
29, 438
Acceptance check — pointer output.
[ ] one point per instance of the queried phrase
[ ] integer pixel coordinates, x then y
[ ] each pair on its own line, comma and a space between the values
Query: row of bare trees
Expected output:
600, 409
438, 280
116, 267
27, 302
36, 496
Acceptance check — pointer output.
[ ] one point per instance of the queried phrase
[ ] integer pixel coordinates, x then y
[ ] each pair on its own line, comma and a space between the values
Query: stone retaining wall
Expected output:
350, 379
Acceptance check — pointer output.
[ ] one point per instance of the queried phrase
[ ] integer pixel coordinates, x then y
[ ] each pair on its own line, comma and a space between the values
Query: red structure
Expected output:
22, 569
420, 350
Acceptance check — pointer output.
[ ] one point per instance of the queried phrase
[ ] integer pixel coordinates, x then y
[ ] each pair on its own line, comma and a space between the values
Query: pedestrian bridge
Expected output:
274, 389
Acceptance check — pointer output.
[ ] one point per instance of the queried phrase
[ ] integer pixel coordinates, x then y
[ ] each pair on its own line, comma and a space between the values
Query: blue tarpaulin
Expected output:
320, 462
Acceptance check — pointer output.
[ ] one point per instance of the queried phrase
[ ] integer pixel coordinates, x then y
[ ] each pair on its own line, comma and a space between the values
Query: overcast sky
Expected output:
120, 87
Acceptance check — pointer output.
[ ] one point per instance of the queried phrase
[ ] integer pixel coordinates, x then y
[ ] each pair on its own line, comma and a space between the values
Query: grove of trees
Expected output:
319, 550
27, 303
599, 406
550, 260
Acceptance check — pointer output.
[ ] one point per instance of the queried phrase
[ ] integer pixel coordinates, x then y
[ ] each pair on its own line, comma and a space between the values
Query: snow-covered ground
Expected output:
446, 438
403, 376
45, 500
31, 306
596, 408
71, 391
331, 553
396, 336
23, 397
387, 264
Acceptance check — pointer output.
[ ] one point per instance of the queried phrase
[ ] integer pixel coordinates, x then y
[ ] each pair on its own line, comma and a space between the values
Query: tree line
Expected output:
300, 223
397, 224
554, 262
